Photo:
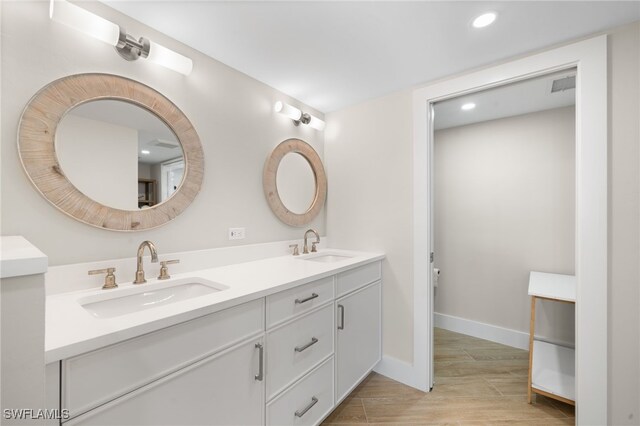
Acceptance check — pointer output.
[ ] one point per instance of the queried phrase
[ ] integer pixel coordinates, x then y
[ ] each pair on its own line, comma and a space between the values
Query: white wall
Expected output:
232, 113
374, 169
504, 206
144, 170
368, 159
100, 159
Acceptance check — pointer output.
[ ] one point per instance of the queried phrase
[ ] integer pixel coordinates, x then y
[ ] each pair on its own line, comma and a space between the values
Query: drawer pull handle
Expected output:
308, 345
260, 374
302, 412
341, 326
306, 299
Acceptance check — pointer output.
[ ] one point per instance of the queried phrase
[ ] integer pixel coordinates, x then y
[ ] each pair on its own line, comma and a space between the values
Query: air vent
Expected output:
164, 144
562, 84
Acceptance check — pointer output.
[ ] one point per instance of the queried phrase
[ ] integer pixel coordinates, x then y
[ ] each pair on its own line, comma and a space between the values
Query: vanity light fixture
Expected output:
298, 116
484, 20
468, 106
126, 45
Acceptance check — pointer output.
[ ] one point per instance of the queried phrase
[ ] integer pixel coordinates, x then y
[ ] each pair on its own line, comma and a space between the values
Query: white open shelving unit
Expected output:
551, 366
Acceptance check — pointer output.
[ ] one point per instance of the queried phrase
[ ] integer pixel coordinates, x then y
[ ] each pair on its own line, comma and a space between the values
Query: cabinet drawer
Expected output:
287, 304
97, 377
306, 403
294, 349
358, 277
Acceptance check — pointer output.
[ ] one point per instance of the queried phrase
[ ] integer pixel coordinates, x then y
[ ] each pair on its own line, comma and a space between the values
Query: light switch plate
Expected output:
236, 233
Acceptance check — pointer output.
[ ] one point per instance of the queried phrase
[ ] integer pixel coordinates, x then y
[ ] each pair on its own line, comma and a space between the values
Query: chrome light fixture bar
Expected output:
298, 116
127, 46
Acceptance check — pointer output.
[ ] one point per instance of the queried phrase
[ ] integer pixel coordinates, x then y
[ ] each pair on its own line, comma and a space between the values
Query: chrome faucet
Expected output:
154, 258
305, 248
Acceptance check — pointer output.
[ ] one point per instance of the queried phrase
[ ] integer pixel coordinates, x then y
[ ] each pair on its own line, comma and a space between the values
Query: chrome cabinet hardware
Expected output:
164, 271
296, 252
308, 345
260, 374
341, 326
302, 412
306, 299
109, 279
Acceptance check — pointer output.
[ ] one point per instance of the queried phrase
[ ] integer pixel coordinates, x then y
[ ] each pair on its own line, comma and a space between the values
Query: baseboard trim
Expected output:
494, 333
400, 371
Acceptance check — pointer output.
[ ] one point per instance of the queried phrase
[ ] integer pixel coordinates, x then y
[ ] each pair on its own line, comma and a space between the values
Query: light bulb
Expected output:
316, 123
288, 111
468, 107
170, 59
484, 20
84, 21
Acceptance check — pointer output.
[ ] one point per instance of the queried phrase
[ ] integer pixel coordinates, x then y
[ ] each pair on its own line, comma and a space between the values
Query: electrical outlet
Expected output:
236, 233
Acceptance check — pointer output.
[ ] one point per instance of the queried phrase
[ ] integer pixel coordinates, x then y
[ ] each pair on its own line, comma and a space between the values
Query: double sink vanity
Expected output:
275, 341
266, 339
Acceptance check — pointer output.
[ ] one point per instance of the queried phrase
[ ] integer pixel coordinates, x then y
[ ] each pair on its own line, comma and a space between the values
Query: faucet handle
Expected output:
164, 271
109, 279
313, 246
296, 252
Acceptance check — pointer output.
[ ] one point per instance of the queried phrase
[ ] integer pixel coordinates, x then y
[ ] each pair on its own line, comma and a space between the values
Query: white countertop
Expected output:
552, 286
71, 330
18, 257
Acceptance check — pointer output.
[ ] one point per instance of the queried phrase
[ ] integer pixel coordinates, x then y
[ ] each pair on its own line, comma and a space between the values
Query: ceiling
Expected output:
153, 134
518, 98
332, 54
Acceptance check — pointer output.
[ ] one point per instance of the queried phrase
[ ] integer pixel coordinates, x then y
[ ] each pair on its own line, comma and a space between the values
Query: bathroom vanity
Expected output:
278, 341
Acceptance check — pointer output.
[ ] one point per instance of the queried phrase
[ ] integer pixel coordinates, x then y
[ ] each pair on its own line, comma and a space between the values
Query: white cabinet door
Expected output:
219, 390
358, 337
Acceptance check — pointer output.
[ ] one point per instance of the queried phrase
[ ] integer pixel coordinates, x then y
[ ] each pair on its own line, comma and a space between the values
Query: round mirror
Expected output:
119, 154
110, 152
296, 183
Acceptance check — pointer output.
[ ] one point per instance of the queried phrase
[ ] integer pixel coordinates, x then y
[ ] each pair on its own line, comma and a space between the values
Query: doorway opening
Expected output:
589, 57
503, 206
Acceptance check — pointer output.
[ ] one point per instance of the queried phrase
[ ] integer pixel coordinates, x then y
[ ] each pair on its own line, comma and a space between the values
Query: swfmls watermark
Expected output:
35, 414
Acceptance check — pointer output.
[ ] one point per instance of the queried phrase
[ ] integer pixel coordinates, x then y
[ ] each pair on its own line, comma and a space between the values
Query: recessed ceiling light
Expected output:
469, 106
145, 152
484, 20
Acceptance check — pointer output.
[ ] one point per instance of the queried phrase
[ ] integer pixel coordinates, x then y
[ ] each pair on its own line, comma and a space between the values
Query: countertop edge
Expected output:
76, 348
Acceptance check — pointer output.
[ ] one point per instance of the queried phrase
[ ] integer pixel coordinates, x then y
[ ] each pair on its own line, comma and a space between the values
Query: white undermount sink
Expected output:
326, 257
147, 296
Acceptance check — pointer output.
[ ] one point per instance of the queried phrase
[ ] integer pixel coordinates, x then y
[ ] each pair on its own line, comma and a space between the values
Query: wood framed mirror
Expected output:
294, 182
81, 141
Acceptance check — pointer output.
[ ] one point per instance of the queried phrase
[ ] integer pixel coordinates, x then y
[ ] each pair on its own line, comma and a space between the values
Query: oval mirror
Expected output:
119, 154
110, 152
294, 182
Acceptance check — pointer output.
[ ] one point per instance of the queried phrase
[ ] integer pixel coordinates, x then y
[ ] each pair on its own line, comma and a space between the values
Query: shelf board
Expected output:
552, 286
554, 369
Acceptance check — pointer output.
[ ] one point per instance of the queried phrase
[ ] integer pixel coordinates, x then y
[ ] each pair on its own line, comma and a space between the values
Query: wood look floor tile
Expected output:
457, 409
416, 424
350, 411
443, 355
545, 422
510, 386
568, 409
462, 387
480, 368
477, 383
491, 354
